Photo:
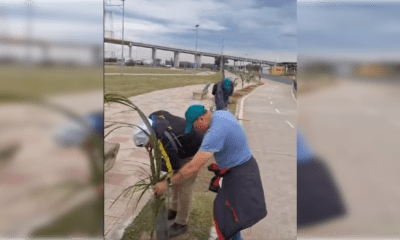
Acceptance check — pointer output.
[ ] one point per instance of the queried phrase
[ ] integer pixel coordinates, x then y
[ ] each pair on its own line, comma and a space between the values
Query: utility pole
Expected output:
222, 58
29, 5
196, 58
122, 52
245, 66
123, 18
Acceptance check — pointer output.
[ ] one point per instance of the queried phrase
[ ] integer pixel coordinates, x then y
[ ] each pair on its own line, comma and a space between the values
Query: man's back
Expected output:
227, 139
222, 91
187, 144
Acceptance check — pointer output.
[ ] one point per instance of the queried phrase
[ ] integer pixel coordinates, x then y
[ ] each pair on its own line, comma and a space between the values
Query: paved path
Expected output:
355, 127
271, 131
270, 114
130, 158
40, 163
287, 80
162, 74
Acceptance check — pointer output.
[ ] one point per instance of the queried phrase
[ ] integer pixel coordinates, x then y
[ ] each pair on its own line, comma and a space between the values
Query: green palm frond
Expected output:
146, 180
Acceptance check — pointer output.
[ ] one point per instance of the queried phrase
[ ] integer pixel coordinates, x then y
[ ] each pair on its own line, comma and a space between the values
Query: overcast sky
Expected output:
266, 30
54, 21
362, 30
261, 29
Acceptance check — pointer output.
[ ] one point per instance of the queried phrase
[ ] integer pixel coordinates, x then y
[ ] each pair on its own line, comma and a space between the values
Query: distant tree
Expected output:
218, 61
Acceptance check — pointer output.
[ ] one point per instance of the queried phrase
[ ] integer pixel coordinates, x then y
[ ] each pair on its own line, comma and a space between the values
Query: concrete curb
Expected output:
239, 108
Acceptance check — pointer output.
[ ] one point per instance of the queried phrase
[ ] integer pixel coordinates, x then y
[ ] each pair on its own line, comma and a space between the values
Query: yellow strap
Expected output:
169, 166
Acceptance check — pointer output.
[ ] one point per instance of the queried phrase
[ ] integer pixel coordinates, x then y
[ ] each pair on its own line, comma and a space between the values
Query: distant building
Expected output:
185, 64
147, 62
266, 69
372, 70
278, 70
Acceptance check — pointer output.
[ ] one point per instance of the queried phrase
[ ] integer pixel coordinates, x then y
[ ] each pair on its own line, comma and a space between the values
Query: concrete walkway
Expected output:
40, 163
130, 159
271, 132
163, 74
354, 126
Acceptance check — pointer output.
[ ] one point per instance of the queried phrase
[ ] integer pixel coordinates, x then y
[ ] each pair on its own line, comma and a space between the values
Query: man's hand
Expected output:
160, 188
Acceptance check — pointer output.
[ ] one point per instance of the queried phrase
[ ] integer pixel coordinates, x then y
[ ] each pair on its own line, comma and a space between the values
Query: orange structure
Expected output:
278, 70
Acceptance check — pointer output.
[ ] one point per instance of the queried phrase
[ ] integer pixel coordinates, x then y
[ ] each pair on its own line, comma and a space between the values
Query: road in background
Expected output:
286, 80
354, 126
271, 131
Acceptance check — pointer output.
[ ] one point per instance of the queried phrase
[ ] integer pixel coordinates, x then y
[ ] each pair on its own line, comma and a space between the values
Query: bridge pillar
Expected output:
130, 50
153, 55
176, 59
197, 60
234, 66
221, 64
98, 55
45, 54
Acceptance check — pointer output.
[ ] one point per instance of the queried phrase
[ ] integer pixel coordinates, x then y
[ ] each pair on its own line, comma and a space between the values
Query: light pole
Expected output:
123, 18
196, 57
222, 56
197, 27
122, 52
245, 66
222, 51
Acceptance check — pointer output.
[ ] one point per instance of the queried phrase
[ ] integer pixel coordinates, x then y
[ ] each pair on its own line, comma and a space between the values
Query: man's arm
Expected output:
191, 168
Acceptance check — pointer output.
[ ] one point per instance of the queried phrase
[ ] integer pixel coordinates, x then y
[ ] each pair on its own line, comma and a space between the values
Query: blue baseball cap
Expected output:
227, 83
192, 114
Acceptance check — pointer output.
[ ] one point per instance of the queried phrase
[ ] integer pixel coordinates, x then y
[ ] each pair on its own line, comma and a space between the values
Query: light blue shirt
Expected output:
304, 151
227, 140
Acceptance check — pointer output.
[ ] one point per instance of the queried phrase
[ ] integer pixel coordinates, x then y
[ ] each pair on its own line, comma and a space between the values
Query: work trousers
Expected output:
182, 195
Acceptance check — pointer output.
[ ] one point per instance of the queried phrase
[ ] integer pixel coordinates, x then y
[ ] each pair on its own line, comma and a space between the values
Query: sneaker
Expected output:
171, 214
177, 229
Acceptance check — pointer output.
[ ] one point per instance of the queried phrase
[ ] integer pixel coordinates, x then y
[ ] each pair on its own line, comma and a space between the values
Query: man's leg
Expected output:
185, 196
174, 202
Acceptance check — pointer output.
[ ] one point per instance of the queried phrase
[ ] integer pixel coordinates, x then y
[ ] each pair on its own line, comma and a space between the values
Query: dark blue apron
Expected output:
240, 202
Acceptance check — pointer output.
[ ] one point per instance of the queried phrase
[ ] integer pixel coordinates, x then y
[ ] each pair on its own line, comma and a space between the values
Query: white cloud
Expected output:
173, 24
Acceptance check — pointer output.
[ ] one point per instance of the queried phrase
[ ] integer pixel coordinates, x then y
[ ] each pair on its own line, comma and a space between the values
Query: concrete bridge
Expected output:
45, 45
177, 51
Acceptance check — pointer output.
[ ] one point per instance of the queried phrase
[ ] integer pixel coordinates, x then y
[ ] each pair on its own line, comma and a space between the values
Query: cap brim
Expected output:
189, 127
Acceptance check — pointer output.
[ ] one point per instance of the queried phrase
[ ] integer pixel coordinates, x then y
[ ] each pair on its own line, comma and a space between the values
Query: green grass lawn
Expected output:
41, 81
141, 69
200, 220
135, 85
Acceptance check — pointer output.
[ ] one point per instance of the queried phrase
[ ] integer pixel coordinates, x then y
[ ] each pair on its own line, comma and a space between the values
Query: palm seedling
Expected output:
155, 157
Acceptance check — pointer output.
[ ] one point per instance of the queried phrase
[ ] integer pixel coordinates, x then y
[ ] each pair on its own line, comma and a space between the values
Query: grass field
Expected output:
141, 69
135, 85
50, 81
